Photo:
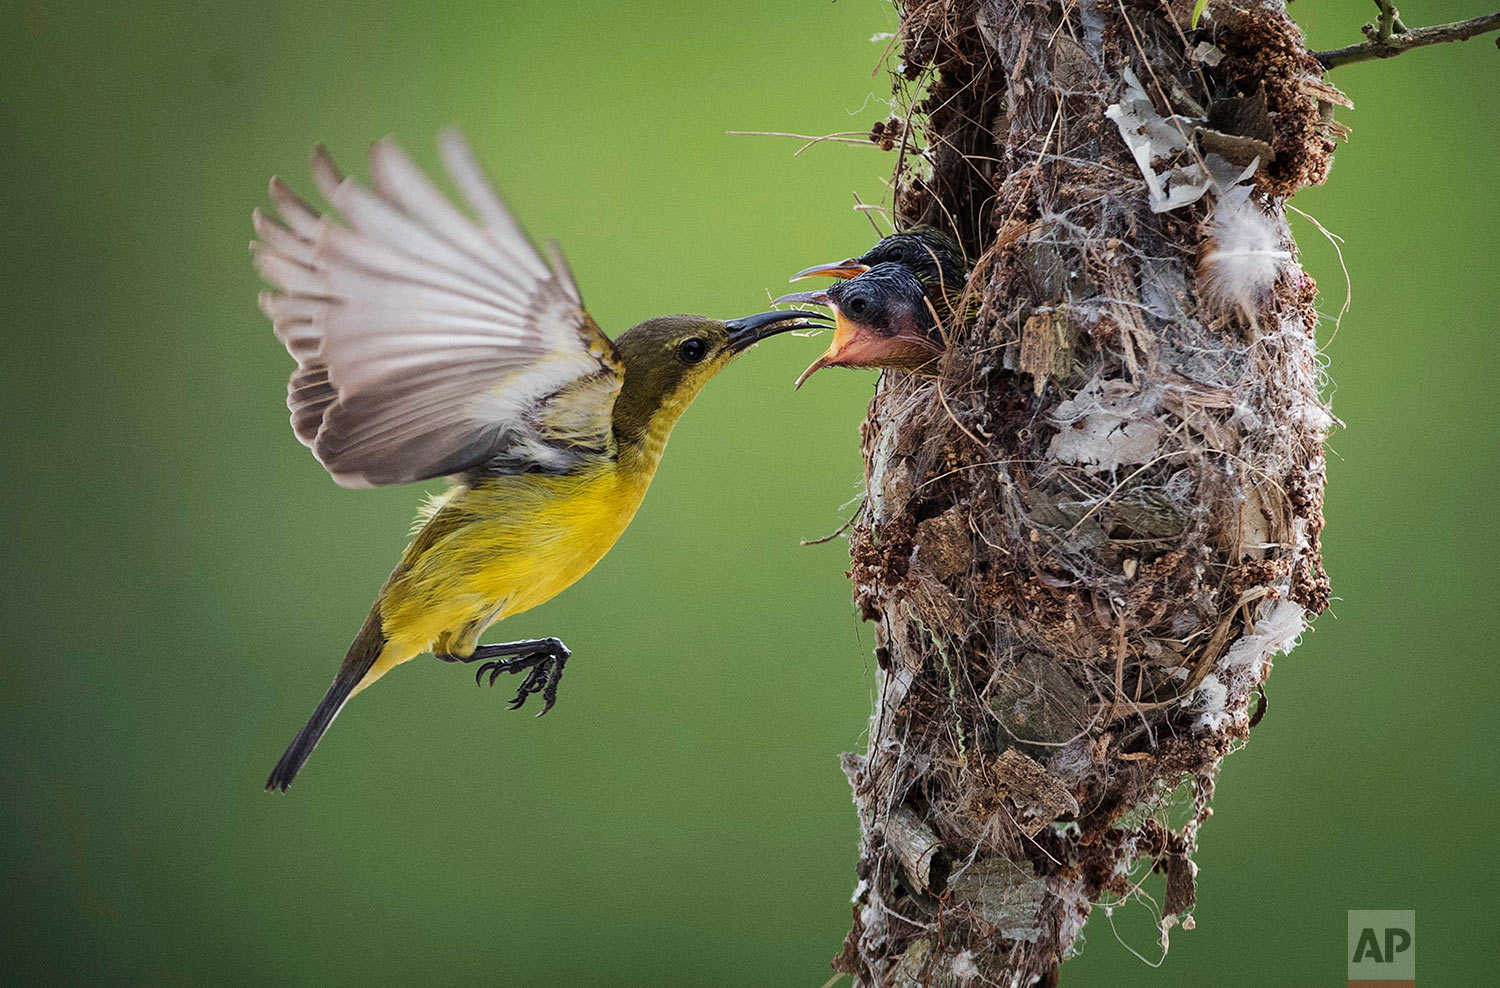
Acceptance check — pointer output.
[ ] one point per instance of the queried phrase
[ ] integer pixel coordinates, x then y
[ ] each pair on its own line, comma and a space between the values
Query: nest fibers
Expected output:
1086, 540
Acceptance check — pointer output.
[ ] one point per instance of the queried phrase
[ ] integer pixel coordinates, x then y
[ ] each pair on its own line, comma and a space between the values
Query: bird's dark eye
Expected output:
856, 306
692, 350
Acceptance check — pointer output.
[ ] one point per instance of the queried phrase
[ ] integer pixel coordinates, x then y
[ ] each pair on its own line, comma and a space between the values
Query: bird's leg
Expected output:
542, 658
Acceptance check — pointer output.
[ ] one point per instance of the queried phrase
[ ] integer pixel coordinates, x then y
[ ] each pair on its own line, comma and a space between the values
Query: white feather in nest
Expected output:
1241, 255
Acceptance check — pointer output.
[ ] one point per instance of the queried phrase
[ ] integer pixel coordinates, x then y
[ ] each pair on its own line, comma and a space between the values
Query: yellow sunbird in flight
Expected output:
429, 344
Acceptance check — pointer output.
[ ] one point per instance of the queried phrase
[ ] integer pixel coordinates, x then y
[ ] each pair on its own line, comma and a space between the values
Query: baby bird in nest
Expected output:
893, 302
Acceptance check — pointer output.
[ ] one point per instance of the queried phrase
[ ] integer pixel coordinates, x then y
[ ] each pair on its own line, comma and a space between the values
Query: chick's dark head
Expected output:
882, 318
929, 253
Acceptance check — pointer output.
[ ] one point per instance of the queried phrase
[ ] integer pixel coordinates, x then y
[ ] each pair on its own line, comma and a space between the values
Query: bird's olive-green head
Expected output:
669, 359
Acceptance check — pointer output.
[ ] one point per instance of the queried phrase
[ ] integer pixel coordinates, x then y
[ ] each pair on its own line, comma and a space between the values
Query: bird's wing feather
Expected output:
428, 343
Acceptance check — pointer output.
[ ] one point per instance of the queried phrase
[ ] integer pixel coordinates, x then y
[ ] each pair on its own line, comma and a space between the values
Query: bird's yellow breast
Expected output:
501, 547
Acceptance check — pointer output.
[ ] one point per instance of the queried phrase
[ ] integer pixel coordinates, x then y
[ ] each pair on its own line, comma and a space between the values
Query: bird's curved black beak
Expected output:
745, 333
850, 268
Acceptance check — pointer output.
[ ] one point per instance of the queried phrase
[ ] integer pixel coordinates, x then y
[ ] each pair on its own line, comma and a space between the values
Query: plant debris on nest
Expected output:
1265, 48
1088, 535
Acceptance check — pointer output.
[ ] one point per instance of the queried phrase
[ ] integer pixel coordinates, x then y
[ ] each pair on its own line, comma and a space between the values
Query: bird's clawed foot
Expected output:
542, 675
542, 659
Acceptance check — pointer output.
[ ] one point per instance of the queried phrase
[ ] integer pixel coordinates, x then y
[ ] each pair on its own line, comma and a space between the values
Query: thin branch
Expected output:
842, 137
841, 529
1387, 22
859, 206
1396, 24
1400, 42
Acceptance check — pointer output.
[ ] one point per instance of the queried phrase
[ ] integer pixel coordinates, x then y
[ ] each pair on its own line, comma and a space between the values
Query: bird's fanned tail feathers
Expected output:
361, 658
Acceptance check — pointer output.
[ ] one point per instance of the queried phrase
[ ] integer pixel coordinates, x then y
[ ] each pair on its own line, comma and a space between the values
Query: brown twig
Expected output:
841, 529
1398, 42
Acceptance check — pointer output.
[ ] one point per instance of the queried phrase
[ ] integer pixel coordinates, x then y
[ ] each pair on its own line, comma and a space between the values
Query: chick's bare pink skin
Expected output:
882, 318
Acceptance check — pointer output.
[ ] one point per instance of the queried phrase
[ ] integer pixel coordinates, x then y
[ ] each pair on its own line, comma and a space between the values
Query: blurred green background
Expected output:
182, 578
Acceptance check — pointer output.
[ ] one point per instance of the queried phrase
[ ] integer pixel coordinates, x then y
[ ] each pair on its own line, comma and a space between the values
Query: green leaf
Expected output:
1198, 9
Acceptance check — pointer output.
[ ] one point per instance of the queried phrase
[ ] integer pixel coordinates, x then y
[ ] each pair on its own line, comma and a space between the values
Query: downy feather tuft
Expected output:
1240, 257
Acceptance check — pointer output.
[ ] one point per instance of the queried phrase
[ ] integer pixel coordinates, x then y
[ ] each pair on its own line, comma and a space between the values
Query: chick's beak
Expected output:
847, 338
858, 345
745, 333
849, 268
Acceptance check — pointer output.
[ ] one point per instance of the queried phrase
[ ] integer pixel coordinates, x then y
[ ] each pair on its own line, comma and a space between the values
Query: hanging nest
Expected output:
1086, 537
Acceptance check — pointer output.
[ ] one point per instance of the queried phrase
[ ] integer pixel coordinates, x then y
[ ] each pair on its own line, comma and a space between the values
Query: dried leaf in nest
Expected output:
1262, 523
1151, 137
1005, 893
1148, 514
1045, 266
915, 969
1182, 892
1038, 796
1036, 700
942, 546
1239, 129
1105, 426
918, 849
937, 610
1077, 523
865, 779
1234, 148
1208, 53
1047, 347
1072, 68
894, 490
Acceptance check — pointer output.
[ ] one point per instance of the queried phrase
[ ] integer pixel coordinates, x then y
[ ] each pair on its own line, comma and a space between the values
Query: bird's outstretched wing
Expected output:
428, 343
